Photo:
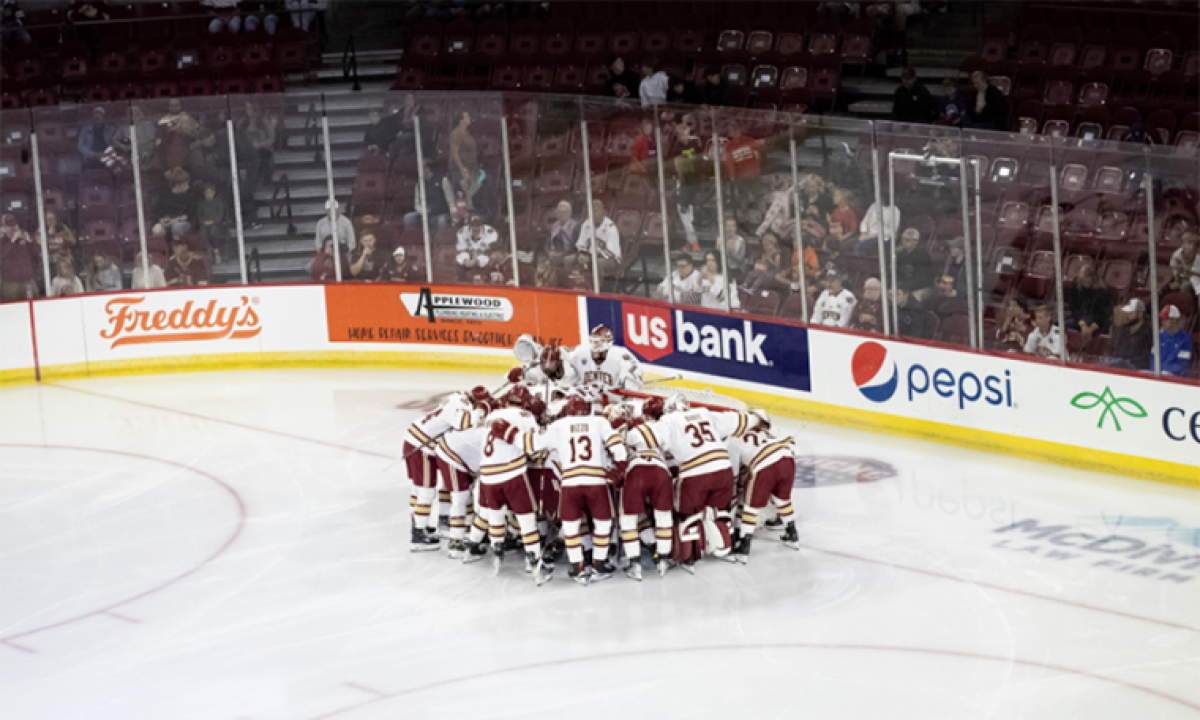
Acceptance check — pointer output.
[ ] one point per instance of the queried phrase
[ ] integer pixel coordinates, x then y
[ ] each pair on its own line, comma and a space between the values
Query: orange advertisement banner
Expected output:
463, 315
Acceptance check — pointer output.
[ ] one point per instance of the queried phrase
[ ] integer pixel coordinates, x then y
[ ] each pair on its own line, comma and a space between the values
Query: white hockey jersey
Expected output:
583, 446
503, 461
640, 451
620, 368
454, 414
834, 310
537, 378
463, 448
696, 438
758, 449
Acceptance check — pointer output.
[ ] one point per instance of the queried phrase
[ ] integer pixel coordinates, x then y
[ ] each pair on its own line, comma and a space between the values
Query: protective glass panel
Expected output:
21, 270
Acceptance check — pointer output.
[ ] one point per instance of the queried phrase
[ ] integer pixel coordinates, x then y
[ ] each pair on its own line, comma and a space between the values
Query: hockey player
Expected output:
503, 483
552, 369
459, 453
584, 444
601, 365
421, 459
696, 438
647, 482
769, 470
836, 305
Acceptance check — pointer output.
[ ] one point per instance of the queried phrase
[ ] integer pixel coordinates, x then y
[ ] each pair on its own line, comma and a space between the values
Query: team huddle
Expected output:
571, 447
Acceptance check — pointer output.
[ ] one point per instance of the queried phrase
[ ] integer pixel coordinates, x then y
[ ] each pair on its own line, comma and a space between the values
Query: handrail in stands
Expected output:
312, 128
255, 263
278, 206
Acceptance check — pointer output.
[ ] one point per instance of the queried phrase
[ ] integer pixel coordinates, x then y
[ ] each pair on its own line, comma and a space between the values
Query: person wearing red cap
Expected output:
1174, 344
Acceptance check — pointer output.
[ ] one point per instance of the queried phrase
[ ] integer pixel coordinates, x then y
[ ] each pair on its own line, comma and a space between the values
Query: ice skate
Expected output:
475, 552
602, 570
457, 549
497, 559
544, 572
689, 567
531, 562
773, 524
741, 552
579, 573
663, 566
633, 571
790, 537
424, 541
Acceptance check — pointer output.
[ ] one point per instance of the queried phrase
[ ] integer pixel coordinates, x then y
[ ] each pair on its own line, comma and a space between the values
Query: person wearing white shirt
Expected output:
1045, 340
345, 228
608, 251
104, 275
157, 279
653, 90
712, 284
475, 243
835, 307
871, 226
685, 281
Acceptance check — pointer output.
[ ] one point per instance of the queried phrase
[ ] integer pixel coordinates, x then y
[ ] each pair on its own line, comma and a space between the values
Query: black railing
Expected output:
350, 64
254, 263
280, 205
312, 129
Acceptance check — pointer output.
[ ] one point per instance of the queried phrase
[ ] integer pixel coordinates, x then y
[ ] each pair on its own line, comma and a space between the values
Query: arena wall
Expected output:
1114, 422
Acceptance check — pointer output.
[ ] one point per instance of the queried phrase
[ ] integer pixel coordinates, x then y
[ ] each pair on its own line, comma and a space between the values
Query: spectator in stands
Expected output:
1139, 134
653, 88
60, 241
402, 269
228, 19
174, 136
184, 268
157, 280
643, 154
989, 109
912, 103
870, 309
735, 248
545, 274
564, 237
464, 158
680, 91
205, 160
1015, 327
1045, 340
686, 159
950, 110
871, 227
1174, 343
1089, 304
94, 139
835, 306
811, 265
323, 267
769, 251
911, 320
841, 11
914, 269
713, 284
16, 261
210, 216
84, 19
440, 195
816, 197
759, 277
146, 130
475, 241
307, 12
684, 281
608, 249
779, 213
176, 208
368, 260
954, 264
382, 132
622, 82
325, 227
946, 299
103, 274
713, 91
1132, 338
259, 125
65, 282
1185, 262
580, 276
745, 169
499, 268
844, 220
12, 25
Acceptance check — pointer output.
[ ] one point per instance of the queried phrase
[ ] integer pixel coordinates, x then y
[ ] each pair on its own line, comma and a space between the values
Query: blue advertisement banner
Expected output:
715, 344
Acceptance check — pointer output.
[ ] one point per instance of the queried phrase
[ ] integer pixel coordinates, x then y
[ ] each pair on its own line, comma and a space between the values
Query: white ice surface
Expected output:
227, 545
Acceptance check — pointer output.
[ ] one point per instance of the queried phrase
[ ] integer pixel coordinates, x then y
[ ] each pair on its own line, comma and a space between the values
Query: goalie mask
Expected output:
764, 420
601, 340
677, 403
551, 362
617, 415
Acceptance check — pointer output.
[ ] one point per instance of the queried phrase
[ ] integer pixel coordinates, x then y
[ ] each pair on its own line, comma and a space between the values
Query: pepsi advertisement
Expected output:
709, 343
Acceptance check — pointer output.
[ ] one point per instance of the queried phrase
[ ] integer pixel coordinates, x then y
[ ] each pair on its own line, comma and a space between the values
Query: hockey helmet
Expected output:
478, 395
764, 420
653, 407
536, 406
576, 405
617, 415
519, 395
601, 339
677, 403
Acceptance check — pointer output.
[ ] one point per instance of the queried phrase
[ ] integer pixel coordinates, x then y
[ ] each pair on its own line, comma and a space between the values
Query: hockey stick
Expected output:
669, 378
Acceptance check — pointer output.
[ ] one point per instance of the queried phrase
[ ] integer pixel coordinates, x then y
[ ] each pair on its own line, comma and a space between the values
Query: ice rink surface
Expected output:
228, 545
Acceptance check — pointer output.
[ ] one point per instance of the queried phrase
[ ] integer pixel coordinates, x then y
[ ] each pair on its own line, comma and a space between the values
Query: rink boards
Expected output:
1115, 422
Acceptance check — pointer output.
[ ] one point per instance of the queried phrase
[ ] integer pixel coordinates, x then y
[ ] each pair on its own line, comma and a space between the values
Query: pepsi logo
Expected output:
875, 374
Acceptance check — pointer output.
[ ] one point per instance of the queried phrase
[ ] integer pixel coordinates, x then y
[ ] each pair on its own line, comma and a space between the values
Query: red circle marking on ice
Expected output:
108, 609
867, 360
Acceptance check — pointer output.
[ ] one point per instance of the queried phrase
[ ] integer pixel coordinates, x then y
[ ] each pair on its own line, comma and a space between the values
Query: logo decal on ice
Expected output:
1111, 403
875, 375
647, 330
457, 307
814, 471
130, 326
